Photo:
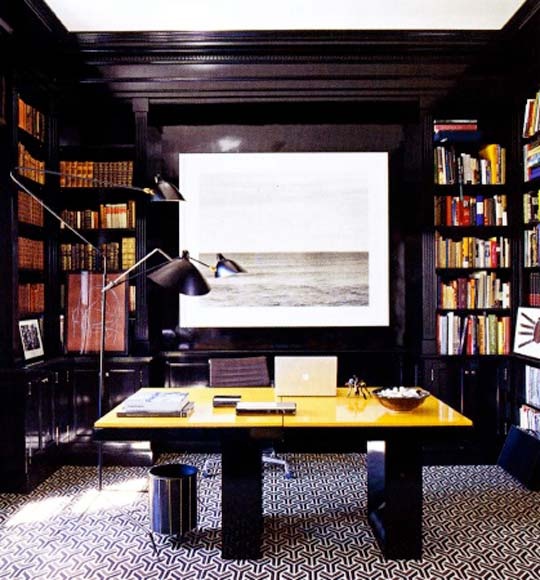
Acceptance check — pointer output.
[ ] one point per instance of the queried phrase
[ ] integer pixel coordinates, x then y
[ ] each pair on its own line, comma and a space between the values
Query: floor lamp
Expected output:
162, 191
179, 274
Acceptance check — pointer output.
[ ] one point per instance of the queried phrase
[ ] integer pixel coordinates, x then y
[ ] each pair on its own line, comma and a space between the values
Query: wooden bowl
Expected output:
401, 404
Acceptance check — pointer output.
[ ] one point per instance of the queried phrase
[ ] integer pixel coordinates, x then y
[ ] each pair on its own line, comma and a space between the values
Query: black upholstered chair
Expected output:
243, 372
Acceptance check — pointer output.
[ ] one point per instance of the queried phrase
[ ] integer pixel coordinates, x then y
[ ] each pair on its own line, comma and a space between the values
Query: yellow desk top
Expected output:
339, 411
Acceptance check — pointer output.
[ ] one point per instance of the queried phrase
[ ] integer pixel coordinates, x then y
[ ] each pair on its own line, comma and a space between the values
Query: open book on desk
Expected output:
156, 404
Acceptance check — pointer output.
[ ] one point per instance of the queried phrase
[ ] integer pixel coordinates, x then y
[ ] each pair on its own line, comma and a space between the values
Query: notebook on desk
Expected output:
305, 376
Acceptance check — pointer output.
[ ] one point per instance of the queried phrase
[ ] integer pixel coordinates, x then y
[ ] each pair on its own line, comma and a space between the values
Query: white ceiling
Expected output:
219, 15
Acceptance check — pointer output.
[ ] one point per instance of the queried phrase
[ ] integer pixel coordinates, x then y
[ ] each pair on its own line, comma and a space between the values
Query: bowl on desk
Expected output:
401, 398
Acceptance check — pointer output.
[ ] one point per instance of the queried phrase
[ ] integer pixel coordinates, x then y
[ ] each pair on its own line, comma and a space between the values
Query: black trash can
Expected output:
173, 498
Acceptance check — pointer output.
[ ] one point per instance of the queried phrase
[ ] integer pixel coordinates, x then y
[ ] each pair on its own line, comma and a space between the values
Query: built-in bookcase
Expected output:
107, 215
531, 201
30, 298
528, 398
473, 255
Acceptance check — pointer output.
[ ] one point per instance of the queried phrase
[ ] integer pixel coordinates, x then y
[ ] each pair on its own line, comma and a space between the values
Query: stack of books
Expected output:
455, 130
156, 404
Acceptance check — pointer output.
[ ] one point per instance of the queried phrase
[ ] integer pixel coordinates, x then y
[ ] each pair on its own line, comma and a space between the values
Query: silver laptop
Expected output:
305, 376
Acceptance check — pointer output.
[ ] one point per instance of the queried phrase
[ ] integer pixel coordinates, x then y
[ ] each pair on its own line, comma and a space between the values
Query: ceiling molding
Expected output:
99, 47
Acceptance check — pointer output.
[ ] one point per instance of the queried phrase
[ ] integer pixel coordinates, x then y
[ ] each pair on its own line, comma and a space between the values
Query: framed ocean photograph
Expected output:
310, 229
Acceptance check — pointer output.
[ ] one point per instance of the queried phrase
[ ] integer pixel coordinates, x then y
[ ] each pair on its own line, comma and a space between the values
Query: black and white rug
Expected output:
479, 524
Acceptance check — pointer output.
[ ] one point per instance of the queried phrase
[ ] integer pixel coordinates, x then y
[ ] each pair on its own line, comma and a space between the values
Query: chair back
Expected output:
239, 372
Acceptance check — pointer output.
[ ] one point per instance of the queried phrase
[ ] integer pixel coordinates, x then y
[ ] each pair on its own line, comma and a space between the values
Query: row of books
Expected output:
470, 210
81, 219
529, 418
531, 161
128, 252
29, 210
488, 167
117, 215
531, 207
31, 253
477, 290
531, 247
78, 256
473, 334
82, 173
456, 131
31, 298
443, 125
110, 215
533, 291
472, 252
531, 117
31, 120
33, 168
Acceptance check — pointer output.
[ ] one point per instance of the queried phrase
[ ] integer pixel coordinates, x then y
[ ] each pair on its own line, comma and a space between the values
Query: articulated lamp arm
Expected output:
119, 279
53, 213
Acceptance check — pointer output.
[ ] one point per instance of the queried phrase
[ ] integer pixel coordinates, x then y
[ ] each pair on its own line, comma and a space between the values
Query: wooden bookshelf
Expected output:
30, 296
472, 241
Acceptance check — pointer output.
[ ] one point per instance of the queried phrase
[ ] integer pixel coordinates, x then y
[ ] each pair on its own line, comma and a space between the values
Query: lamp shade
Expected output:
226, 267
181, 275
166, 191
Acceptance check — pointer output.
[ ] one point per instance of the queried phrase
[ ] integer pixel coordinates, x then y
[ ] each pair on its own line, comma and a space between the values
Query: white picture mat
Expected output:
32, 343
264, 204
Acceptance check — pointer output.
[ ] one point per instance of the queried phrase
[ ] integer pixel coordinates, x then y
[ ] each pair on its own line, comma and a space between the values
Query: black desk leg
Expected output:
241, 503
395, 496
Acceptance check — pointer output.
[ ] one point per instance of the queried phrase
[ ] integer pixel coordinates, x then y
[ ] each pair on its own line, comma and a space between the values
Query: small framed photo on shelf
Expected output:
31, 338
527, 337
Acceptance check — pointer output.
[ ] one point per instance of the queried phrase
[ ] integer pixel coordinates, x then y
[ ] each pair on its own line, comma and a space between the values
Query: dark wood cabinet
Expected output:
478, 387
123, 376
27, 427
50, 410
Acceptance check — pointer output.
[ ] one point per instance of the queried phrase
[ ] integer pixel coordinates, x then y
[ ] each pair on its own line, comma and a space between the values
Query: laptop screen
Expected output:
305, 376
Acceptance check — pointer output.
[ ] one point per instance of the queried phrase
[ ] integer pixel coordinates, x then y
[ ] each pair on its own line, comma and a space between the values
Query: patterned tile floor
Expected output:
479, 524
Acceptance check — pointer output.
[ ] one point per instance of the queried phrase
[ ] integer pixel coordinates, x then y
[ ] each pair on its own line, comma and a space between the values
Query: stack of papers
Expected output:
156, 404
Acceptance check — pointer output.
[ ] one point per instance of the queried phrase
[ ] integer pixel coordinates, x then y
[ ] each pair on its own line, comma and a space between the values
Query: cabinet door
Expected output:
46, 411
440, 379
32, 435
39, 417
85, 396
63, 407
186, 374
122, 381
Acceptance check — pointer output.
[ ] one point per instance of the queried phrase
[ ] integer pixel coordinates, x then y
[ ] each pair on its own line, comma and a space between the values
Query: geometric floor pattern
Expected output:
478, 524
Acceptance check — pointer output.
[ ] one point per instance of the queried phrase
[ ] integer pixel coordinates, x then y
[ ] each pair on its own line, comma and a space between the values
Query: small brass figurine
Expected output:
358, 386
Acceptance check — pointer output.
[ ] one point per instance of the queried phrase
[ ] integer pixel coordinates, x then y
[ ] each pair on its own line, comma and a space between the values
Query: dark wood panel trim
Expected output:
289, 46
